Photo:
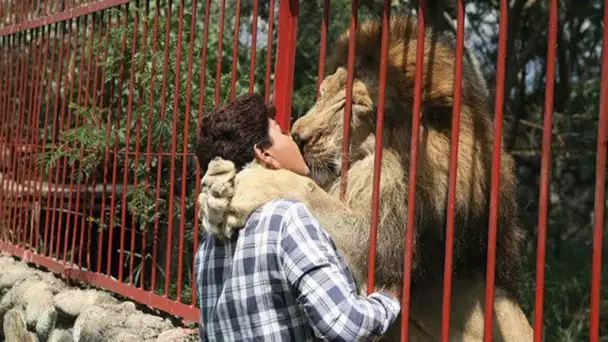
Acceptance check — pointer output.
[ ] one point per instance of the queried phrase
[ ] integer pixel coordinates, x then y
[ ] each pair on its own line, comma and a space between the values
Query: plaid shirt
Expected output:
282, 279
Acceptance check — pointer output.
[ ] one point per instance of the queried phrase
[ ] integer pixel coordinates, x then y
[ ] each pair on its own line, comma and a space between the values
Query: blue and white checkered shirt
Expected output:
282, 279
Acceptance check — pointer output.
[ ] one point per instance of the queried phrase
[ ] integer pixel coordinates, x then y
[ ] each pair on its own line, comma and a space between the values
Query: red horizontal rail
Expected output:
142, 296
62, 16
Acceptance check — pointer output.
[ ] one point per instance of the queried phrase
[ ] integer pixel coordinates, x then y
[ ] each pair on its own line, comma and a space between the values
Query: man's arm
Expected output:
311, 265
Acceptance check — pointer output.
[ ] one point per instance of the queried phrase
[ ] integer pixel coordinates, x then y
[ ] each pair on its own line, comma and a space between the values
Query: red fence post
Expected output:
600, 183
545, 175
286, 54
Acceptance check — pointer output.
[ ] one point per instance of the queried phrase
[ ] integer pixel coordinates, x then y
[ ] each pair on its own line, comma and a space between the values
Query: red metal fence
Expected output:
99, 108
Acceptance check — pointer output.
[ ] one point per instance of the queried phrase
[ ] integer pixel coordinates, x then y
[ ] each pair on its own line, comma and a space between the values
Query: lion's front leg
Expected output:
228, 198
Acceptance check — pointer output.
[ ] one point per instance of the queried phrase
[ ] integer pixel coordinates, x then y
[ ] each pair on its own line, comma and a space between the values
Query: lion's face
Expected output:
321, 129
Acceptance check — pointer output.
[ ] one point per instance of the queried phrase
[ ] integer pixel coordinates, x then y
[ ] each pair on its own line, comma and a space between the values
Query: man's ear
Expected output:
264, 158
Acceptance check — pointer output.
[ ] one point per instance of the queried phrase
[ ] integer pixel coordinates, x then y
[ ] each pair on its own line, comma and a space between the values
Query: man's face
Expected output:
284, 152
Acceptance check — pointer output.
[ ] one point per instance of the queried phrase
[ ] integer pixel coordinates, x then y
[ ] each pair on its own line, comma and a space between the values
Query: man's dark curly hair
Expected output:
232, 130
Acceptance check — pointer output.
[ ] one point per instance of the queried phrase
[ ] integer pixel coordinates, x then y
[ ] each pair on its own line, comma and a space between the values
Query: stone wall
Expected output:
37, 306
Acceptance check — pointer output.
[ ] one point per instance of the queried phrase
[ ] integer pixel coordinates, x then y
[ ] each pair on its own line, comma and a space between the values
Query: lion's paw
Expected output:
214, 200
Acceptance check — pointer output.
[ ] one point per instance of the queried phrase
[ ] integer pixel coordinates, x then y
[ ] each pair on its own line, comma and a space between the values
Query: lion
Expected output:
229, 197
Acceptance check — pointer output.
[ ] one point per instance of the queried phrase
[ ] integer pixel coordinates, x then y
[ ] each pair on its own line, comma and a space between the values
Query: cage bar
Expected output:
149, 150
600, 183
235, 49
269, 52
545, 174
349, 99
115, 152
378, 147
180, 27
323, 43
454, 140
413, 171
183, 189
95, 95
220, 44
254, 40
495, 177
125, 177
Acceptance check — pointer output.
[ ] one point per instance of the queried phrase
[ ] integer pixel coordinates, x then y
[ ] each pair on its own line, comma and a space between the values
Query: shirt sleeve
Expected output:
313, 268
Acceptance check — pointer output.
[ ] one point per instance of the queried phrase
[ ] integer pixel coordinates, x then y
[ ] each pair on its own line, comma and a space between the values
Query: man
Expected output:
280, 277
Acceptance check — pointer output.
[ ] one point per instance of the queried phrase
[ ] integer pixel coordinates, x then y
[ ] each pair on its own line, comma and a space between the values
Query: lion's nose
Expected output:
298, 140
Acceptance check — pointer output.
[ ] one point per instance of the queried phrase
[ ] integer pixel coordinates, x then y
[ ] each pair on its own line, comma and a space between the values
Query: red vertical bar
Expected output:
200, 116
20, 11
411, 208
65, 126
34, 111
7, 117
64, 174
38, 14
185, 156
16, 188
91, 204
26, 12
44, 149
202, 83
27, 111
600, 183
9, 136
57, 112
125, 176
79, 103
3, 146
52, 180
160, 149
144, 40
495, 180
115, 152
454, 139
545, 175
180, 27
31, 132
13, 134
48, 7
269, 51
93, 185
349, 98
17, 162
106, 155
323, 52
62, 183
7, 70
14, 10
235, 49
218, 70
149, 146
286, 54
378, 153
40, 173
254, 45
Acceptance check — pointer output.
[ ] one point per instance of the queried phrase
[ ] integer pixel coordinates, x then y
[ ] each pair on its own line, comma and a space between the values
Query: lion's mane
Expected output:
321, 130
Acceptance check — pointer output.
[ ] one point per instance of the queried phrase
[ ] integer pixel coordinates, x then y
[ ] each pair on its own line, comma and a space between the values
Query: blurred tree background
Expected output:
170, 88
